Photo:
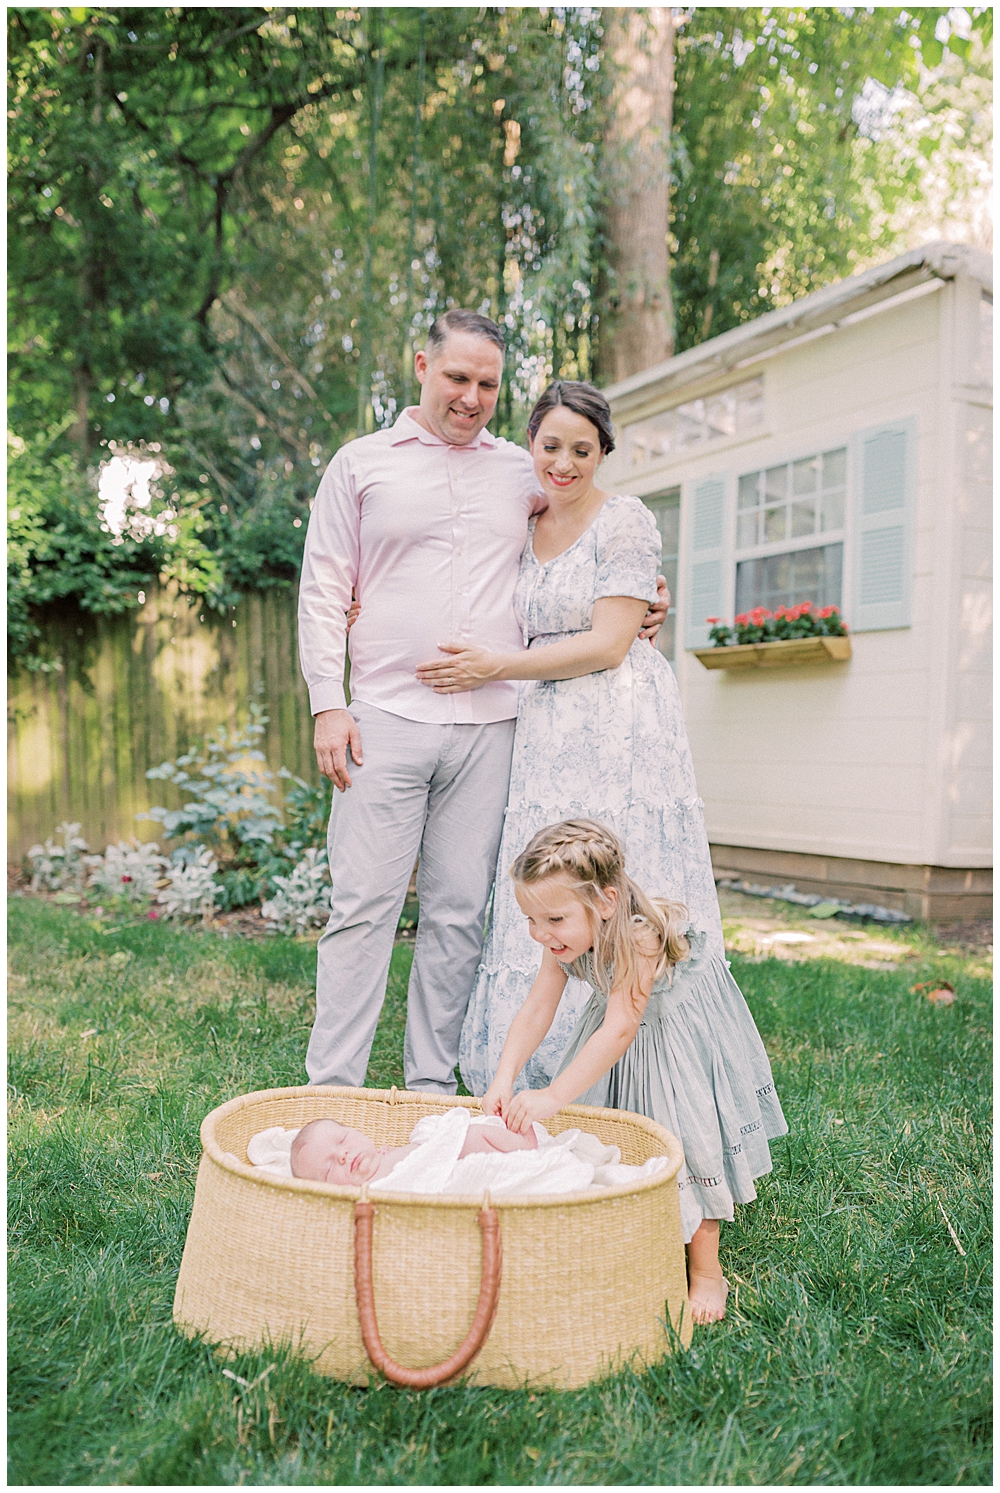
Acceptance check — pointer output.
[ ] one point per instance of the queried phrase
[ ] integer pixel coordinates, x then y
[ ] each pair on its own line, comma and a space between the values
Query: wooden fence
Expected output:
136, 691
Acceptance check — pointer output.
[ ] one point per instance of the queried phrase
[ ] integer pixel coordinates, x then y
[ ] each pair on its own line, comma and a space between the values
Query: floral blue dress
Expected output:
610, 746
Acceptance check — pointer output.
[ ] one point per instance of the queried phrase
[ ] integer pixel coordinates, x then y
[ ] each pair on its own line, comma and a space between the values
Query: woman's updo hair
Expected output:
590, 857
582, 399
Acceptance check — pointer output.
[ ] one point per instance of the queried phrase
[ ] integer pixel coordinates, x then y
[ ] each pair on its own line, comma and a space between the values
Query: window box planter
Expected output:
776, 655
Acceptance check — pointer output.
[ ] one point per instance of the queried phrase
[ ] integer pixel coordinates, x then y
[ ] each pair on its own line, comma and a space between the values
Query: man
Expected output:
426, 522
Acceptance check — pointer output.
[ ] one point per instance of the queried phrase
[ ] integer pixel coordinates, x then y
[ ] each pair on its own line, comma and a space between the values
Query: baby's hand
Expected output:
529, 1105
496, 1099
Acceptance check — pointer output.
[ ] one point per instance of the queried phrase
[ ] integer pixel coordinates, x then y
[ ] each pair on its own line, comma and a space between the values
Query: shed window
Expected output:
784, 580
666, 509
780, 513
834, 528
696, 423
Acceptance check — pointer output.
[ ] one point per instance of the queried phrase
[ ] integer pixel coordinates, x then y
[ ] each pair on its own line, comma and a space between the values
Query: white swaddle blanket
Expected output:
572, 1161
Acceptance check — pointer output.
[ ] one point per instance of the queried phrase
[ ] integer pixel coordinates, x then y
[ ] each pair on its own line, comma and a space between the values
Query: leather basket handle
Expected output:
482, 1321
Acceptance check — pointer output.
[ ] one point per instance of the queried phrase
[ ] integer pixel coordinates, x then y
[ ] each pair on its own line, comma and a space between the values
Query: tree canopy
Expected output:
231, 226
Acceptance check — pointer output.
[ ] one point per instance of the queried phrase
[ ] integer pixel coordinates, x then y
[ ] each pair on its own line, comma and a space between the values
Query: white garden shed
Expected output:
836, 451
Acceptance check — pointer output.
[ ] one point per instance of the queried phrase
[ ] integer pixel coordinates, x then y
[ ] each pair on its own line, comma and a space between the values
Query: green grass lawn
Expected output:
855, 1350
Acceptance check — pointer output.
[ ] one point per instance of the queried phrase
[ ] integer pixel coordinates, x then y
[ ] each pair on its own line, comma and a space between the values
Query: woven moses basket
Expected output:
542, 1291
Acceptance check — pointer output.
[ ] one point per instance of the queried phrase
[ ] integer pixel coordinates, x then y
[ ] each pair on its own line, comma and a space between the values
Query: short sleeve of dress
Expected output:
628, 550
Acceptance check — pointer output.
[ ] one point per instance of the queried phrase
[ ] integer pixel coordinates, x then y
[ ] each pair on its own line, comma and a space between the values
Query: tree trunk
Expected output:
375, 79
637, 323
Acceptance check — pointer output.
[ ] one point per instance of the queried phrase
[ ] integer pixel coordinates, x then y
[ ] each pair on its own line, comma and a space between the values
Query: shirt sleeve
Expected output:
329, 574
628, 551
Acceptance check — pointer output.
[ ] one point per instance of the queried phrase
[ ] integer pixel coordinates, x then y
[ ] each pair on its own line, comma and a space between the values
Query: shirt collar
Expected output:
408, 429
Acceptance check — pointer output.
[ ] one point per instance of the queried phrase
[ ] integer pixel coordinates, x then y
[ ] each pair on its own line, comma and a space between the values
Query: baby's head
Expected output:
326, 1151
571, 884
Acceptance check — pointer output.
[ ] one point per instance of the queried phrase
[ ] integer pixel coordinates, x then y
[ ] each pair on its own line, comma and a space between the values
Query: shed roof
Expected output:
823, 308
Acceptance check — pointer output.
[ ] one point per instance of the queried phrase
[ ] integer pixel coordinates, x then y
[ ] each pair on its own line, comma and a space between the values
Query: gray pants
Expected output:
440, 791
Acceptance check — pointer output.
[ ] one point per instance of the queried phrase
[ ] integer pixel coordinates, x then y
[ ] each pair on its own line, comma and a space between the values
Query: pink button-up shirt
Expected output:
429, 535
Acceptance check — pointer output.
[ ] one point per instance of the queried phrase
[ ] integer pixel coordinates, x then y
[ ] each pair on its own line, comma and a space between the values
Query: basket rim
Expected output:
228, 1162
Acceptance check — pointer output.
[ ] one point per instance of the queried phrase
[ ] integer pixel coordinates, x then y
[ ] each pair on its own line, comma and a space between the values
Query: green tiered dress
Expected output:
698, 1067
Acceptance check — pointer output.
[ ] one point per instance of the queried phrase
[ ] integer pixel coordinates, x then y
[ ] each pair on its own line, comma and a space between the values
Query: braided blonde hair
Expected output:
592, 858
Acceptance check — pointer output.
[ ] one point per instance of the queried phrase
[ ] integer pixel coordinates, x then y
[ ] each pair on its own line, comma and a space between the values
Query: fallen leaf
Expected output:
823, 910
532, 1452
938, 992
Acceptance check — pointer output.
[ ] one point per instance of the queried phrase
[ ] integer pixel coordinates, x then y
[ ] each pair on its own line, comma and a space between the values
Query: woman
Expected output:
600, 733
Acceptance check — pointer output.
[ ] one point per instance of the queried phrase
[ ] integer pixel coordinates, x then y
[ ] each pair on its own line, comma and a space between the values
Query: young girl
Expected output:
666, 1033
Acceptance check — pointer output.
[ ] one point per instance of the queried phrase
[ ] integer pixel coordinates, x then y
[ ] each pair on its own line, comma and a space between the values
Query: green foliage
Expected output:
762, 626
781, 186
229, 806
307, 812
57, 547
855, 1351
229, 802
232, 226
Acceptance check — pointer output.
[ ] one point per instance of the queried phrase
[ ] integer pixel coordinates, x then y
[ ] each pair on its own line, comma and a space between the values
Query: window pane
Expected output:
746, 530
776, 482
669, 519
833, 511
749, 403
785, 580
774, 524
803, 517
835, 467
666, 509
804, 475
690, 422
720, 415
749, 489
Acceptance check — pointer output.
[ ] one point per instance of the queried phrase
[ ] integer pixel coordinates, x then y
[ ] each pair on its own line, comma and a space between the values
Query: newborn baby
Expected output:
326, 1151
455, 1152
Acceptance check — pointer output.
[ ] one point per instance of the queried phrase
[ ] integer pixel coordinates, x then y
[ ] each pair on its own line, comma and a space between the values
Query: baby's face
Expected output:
332, 1152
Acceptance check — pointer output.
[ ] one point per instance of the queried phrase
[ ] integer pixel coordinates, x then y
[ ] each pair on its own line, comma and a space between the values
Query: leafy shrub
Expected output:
127, 870
302, 900
242, 885
193, 890
56, 868
307, 812
229, 805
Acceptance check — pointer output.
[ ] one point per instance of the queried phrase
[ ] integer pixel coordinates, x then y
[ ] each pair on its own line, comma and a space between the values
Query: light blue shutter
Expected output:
884, 490
708, 578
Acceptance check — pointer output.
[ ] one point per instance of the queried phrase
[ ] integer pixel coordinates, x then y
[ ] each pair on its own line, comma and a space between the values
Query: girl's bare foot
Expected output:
707, 1297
